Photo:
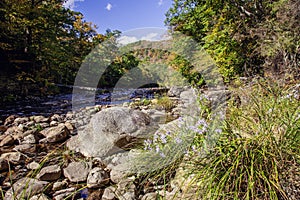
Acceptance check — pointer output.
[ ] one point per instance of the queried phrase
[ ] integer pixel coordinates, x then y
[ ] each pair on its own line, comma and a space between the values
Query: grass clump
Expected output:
259, 139
251, 152
165, 103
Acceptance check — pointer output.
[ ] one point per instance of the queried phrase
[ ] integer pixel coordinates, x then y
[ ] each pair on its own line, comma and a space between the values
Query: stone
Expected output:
29, 139
49, 173
109, 193
59, 185
62, 194
56, 117
122, 165
9, 120
56, 134
97, 178
13, 157
53, 123
150, 196
69, 126
3, 164
11, 130
25, 148
111, 130
25, 188
3, 129
77, 171
33, 165
7, 141
175, 91
40, 197
96, 195
126, 189
40, 119
30, 132
21, 120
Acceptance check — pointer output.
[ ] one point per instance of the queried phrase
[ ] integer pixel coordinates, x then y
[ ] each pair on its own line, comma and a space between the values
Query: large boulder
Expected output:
25, 188
112, 130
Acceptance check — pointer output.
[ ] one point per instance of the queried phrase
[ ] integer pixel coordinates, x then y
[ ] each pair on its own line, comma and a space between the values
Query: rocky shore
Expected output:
88, 153
83, 154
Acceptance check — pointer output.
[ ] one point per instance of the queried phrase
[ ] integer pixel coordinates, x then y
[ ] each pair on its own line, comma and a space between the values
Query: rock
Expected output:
159, 117
126, 189
50, 173
175, 91
56, 117
96, 195
127, 196
53, 123
30, 132
40, 119
77, 171
59, 185
12, 130
21, 120
3, 164
122, 165
189, 103
29, 139
39, 197
56, 134
25, 148
29, 124
25, 188
13, 157
109, 194
69, 126
97, 178
44, 125
7, 141
62, 194
3, 129
150, 196
33, 165
9, 120
111, 130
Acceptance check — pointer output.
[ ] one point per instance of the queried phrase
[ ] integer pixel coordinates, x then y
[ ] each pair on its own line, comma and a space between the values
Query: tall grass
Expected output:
254, 147
259, 139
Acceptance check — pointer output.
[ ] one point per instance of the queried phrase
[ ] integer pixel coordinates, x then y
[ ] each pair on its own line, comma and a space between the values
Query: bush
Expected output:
259, 140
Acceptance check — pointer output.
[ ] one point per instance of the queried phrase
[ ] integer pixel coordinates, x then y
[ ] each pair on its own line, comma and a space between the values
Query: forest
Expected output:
42, 43
240, 142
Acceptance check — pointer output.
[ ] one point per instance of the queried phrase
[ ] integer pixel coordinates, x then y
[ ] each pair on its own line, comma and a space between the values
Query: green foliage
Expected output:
243, 37
258, 141
165, 103
44, 41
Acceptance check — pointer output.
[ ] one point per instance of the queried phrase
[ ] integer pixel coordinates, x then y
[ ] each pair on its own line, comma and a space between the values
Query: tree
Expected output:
44, 42
234, 32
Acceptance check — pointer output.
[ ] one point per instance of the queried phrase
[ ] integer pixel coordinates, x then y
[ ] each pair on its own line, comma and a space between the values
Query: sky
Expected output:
122, 15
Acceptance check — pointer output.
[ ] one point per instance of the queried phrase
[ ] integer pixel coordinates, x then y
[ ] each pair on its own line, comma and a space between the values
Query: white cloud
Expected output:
123, 40
127, 40
108, 7
150, 37
161, 2
71, 3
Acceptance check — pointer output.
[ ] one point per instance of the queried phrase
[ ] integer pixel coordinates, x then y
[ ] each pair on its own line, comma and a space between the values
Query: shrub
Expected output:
259, 139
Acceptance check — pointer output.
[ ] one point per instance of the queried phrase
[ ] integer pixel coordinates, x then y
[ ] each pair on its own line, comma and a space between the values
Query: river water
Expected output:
62, 103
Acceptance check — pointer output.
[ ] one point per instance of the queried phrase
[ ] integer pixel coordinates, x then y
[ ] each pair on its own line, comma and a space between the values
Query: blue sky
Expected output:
122, 15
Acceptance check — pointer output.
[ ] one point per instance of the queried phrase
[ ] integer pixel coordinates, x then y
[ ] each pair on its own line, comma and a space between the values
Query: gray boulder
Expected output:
77, 171
97, 178
56, 134
112, 130
50, 173
25, 188
14, 158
